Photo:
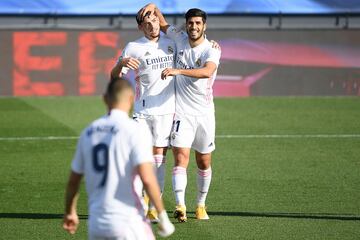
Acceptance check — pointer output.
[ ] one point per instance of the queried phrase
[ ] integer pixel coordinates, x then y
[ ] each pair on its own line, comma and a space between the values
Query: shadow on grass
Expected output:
36, 216
315, 216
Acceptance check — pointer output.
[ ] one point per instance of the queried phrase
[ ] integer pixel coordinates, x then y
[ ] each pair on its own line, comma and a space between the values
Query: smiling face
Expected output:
150, 27
195, 28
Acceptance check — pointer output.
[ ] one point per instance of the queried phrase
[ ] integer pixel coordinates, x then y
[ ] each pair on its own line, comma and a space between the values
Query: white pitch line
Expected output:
291, 136
38, 138
46, 138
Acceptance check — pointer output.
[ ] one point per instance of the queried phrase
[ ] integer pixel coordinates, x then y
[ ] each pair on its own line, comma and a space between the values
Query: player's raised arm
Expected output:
151, 8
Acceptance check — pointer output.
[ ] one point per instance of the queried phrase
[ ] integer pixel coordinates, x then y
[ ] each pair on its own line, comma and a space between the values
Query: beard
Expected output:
197, 37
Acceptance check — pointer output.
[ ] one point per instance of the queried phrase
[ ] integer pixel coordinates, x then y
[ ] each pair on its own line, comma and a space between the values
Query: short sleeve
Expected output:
142, 146
77, 164
175, 33
213, 55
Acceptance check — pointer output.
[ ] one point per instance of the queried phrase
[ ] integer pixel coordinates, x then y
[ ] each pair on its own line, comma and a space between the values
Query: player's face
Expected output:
151, 26
195, 28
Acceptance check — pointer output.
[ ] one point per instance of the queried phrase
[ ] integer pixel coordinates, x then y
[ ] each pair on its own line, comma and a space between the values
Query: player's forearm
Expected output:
153, 191
164, 25
116, 71
196, 73
72, 195
151, 185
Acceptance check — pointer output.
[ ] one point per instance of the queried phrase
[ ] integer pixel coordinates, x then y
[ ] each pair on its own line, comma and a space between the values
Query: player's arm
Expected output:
71, 219
151, 7
204, 72
146, 173
124, 62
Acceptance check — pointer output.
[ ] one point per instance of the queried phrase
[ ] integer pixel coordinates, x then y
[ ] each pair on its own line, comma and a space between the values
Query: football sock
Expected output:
159, 161
203, 183
179, 181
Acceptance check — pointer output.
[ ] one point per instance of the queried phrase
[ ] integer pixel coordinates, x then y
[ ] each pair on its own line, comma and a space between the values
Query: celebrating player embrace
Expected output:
194, 123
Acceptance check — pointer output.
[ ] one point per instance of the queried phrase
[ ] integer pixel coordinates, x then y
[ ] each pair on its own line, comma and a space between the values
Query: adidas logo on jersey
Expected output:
147, 54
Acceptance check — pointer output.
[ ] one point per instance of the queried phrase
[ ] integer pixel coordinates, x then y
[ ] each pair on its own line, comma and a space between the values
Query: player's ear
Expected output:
204, 27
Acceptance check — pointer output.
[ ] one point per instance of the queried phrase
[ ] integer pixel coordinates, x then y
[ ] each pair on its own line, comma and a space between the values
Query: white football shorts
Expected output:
159, 125
196, 132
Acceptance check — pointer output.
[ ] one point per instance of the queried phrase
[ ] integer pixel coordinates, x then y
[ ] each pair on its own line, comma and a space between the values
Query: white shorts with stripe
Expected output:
196, 132
159, 125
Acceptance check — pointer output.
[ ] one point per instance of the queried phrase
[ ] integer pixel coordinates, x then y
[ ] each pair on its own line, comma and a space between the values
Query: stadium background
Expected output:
269, 48
284, 167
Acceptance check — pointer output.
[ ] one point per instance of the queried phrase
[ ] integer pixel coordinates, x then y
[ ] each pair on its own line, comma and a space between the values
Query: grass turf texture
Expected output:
262, 188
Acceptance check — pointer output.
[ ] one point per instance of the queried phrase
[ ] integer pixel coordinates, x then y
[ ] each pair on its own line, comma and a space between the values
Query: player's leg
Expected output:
144, 120
161, 129
181, 140
179, 181
204, 144
204, 175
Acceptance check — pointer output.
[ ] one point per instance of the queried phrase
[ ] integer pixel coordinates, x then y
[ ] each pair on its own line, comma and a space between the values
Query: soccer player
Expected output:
155, 98
194, 123
114, 153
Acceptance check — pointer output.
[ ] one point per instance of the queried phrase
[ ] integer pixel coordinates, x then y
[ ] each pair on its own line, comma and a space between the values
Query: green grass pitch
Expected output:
291, 169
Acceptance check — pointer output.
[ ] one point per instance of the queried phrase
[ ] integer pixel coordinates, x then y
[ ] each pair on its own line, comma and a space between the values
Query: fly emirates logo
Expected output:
181, 64
160, 62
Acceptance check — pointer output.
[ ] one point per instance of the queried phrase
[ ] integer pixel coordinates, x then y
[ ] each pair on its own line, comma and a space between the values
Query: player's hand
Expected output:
130, 62
166, 228
147, 10
169, 72
215, 45
71, 222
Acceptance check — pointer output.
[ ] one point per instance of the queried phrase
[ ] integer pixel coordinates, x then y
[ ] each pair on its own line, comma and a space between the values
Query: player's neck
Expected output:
155, 39
197, 42
124, 107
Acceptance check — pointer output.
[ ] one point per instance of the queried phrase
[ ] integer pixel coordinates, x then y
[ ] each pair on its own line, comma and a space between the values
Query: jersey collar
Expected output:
118, 113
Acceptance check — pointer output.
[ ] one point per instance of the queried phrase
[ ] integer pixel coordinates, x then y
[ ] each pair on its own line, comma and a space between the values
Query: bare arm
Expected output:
151, 7
146, 172
204, 72
71, 219
147, 175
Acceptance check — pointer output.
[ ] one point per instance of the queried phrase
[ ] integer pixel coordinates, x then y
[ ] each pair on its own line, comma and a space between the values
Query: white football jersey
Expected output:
193, 96
107, 154
154, 96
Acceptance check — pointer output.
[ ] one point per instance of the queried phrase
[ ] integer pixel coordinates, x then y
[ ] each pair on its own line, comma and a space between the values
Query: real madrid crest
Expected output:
170, 49
198, 62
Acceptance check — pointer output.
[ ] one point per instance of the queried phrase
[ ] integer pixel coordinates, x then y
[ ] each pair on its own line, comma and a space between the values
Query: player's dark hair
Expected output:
116, 86
140, 19
195, 12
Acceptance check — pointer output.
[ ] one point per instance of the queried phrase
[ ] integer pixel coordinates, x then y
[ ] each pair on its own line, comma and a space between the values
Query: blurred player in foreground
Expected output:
154, 104
114, 154
194, 123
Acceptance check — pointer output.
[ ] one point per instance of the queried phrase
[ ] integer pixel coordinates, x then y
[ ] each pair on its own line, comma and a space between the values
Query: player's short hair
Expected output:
195, 12
140, 19
115, 88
